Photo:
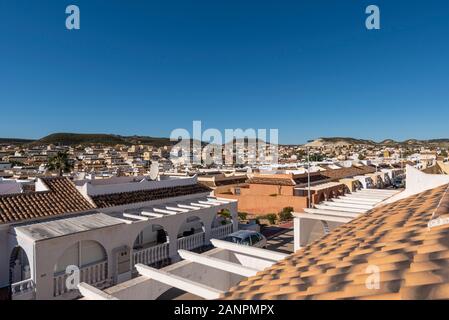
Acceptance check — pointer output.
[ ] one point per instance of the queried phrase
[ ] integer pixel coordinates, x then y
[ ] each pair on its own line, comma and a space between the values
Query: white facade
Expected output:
105, 244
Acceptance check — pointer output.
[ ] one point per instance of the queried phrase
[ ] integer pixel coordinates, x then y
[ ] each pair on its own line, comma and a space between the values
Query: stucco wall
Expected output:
264, 204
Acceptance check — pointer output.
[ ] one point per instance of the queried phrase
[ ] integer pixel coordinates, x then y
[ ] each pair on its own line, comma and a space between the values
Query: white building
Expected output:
104, 228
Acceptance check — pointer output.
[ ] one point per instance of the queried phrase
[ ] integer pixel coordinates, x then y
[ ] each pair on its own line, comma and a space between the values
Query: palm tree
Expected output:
60, 163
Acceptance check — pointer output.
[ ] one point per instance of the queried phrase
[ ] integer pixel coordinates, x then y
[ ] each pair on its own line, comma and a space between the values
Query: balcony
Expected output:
94, 274
23, 290
151, 255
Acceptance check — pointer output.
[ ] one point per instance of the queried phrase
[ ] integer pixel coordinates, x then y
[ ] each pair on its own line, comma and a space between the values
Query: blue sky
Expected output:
309, 68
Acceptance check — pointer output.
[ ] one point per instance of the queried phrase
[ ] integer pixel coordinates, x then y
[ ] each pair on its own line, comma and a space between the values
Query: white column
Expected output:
302, 230
235, 217
207, 217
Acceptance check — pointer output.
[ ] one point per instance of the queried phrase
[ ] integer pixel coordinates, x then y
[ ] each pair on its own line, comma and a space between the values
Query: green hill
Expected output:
9, 141
70, 139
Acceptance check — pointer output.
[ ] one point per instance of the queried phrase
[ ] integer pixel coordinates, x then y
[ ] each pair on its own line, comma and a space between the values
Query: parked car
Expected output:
247, 238
399, 183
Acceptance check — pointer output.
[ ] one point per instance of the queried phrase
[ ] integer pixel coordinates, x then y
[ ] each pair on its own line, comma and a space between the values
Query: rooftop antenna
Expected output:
154, 171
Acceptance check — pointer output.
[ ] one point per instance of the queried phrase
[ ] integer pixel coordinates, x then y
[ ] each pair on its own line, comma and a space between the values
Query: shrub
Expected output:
286, 214
225, 213
243, 216
271, 217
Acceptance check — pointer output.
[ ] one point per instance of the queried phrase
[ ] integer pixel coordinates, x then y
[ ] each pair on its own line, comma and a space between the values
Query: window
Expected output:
255, 239
246, 242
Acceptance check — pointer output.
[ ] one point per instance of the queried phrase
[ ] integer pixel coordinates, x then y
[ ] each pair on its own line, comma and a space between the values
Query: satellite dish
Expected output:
154, 171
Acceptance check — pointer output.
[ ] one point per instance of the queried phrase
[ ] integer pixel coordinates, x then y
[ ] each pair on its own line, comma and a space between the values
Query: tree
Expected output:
60, 163
316, 157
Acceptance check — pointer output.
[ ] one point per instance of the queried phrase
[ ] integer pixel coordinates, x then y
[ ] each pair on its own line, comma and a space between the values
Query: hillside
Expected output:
339, 141
69, 139
9, 141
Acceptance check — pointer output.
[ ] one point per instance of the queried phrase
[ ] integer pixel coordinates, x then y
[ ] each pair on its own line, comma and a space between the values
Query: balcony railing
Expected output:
222, 231
151, 255
94, 274
22, 288
191, 242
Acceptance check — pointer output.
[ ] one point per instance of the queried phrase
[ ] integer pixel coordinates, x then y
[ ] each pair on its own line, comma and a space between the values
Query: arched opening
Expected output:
222, 225
19, 266
191, 226
191, 234
333, 194
321, 197
387, 180
223, 217
151, 246
87, 257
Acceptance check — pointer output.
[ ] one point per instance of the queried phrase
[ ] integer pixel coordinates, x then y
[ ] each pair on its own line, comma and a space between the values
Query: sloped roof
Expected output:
348, 172
62, 197
412, 259
124, 198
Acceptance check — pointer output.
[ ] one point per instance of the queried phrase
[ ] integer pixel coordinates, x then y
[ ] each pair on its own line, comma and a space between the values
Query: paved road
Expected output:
282, 242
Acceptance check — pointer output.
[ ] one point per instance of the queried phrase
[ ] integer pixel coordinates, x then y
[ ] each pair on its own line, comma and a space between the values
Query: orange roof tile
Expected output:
62, 197
411, 260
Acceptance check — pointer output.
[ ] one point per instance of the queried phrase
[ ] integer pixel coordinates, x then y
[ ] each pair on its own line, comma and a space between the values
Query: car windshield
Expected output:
233, 239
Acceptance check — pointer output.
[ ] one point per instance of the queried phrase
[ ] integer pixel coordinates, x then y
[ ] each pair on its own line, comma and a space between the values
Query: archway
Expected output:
191, 226
333, 194
321, 197
19, 266
223, 217
222, 224
151, 246
191, 234
89, 257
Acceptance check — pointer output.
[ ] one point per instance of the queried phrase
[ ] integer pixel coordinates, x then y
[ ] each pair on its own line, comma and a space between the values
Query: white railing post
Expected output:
151, 255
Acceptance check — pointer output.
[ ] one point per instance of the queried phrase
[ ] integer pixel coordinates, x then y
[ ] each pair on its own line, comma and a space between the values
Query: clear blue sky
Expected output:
307, 67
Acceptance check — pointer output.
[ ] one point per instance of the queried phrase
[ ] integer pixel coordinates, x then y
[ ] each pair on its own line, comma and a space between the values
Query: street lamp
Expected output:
308, 178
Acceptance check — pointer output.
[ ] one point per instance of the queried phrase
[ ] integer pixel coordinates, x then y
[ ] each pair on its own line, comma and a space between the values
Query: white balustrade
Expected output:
191, 242
94, 274
151, 255
22, 287
222, 231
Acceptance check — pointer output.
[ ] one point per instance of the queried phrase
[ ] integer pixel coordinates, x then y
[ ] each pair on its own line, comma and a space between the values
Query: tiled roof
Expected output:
348, 172
124, 198
272, 181
287, 181
62, 197
412, 260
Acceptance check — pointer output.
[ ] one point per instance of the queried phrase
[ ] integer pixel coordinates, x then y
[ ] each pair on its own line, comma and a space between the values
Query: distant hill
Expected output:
14, 141
69, 139
340, 141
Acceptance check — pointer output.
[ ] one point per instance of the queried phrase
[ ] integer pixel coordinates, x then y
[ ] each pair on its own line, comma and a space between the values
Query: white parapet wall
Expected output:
418, 182
143, 288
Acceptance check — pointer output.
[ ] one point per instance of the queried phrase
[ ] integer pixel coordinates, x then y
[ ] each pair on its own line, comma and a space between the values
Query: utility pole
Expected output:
308, 178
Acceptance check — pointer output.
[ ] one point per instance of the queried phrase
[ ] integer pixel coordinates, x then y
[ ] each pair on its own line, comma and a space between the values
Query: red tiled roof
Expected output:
412, 260
62, 197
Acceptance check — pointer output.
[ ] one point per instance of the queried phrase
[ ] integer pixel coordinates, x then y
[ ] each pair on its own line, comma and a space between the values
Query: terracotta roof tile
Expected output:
118, 199
412, 260
62, 197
